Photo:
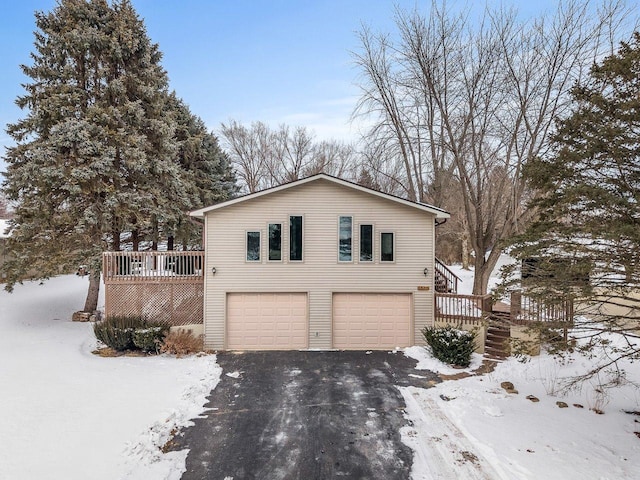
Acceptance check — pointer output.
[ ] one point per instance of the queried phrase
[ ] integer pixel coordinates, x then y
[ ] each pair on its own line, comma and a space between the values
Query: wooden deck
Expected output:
165, 286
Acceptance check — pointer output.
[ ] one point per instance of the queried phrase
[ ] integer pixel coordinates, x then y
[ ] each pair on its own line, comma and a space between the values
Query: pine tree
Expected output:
95, 152
205, 167
586, 241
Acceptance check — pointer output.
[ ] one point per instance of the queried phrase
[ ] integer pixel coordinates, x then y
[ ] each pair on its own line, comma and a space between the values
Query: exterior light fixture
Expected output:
425, 271
213, 270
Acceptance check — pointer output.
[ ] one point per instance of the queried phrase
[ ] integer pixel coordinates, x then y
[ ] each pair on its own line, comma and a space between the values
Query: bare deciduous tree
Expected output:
469, 102
265, 158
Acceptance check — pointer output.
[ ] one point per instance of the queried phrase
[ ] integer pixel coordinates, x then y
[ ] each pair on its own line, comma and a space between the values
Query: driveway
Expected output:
304, 415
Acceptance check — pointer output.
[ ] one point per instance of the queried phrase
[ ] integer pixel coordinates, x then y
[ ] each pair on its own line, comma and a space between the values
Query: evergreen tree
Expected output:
586, 241
207, 171
95, 152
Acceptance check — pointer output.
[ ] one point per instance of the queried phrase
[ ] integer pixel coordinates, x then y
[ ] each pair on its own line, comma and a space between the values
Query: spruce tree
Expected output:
586, 240
206, 169
94, 155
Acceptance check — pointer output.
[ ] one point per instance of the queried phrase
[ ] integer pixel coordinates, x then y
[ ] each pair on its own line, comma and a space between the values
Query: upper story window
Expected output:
295, 238
253, 246
366, 243
387, 247
345, 239
275, 242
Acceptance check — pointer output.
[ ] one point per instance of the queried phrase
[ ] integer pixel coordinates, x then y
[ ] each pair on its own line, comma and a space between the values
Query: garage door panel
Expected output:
266, 321
371, 321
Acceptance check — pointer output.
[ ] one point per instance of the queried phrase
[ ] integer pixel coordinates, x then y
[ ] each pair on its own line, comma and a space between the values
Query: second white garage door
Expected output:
267, 321
371, 320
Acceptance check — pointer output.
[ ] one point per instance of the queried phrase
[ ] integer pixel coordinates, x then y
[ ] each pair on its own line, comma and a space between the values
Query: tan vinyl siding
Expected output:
320, 274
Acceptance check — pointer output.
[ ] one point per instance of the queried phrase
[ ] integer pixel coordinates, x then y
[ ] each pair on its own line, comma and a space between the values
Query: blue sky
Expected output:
278, 61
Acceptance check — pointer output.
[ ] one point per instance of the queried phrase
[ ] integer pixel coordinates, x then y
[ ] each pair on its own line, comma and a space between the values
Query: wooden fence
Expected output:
166, 286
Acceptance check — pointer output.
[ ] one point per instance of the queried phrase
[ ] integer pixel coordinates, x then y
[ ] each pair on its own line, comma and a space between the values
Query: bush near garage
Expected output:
450, 345
130, 333
181, 342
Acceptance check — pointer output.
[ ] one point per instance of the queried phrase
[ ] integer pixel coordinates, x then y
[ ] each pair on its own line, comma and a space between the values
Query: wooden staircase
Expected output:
496, 346
445, 281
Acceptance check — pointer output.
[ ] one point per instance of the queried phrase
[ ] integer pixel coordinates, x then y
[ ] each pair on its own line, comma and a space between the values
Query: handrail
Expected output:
153, 266
445, 280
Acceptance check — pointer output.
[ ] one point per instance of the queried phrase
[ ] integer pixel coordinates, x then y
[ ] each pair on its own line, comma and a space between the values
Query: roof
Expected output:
438, 212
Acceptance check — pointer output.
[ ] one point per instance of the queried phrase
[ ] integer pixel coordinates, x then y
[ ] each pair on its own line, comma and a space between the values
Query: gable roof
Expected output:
438, 212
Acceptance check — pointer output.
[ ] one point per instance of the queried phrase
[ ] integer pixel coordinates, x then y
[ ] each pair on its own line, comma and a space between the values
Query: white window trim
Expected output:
352, 238
246, 246
373, 244
304, 222
282, 242
394, 247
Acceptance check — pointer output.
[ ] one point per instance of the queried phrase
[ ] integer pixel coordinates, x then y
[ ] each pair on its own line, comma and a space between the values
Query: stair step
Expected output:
491, 334
496, 353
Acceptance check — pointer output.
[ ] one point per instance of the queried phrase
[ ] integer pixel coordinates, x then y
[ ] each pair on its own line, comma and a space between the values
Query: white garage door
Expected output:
371, 320
266, 321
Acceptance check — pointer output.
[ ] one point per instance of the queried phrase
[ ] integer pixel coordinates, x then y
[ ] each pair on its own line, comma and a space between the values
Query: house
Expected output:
318, 263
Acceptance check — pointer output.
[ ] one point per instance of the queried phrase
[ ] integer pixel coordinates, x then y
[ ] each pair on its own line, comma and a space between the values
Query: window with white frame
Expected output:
253, 246
275, 242
366, 243
295, 238
387, 247
345, 239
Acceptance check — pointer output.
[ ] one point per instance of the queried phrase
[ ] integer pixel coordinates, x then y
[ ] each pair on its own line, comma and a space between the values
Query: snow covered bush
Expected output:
130, 332
150, 338
450, 345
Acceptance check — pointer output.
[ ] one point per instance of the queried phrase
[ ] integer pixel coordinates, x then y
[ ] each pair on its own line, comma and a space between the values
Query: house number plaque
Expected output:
423, 287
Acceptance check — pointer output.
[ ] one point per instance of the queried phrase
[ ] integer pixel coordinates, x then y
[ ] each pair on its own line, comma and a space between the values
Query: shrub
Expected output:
181, 342
130, 332
450, 345
150, 338
117, 332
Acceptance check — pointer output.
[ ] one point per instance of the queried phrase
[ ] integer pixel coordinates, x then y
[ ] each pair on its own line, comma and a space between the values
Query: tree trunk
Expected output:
465, 251
170, 243
135, 239
91, 303
115, 233
483, 269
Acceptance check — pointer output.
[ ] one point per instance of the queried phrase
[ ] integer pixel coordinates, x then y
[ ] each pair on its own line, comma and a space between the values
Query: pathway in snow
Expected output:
441, 450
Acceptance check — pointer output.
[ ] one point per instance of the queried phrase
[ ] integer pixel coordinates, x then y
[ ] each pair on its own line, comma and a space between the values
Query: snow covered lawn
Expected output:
473, 429
66, 413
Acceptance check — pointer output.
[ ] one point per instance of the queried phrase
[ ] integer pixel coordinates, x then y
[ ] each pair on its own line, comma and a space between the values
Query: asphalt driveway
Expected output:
304, 415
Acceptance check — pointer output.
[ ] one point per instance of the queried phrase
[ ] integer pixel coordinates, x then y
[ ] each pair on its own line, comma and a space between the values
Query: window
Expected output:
295, 238
366, 243
275, 241
386, 247
345, 237
253, 246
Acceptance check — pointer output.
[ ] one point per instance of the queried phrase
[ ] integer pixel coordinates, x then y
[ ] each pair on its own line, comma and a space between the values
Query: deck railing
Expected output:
462, 309
524, 309
159, 267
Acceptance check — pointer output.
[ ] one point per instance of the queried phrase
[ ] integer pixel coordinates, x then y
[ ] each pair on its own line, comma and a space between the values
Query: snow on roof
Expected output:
4, 224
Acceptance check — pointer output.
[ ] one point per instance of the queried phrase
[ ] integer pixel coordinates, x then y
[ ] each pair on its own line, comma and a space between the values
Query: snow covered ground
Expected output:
66, 413
473, 429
